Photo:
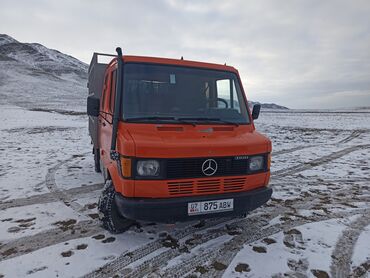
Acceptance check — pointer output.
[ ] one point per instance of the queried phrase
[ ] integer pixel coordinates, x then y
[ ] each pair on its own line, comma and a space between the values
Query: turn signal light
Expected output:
126, 167
269, 161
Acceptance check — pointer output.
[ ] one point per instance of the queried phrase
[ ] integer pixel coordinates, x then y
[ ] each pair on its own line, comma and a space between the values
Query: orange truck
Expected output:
174, 140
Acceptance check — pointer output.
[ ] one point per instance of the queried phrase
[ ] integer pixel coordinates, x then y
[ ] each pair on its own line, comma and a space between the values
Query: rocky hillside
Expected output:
36, 77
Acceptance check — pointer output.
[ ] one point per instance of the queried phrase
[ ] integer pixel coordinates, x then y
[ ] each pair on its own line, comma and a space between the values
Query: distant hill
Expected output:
271, 106
34, 76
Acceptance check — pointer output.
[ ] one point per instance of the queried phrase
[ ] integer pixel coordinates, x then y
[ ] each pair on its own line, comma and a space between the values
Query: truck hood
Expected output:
170, 141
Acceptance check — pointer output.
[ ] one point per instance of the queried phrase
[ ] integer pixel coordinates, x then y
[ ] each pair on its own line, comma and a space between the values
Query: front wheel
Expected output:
108, 211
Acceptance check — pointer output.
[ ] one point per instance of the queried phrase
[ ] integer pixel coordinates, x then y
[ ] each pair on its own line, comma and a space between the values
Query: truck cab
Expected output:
175, 141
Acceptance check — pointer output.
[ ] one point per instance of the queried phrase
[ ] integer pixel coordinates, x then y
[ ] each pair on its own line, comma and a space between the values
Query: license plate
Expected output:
210, 206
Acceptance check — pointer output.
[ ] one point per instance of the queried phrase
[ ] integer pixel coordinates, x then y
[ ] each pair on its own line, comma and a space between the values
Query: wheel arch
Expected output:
124, 186
114, 176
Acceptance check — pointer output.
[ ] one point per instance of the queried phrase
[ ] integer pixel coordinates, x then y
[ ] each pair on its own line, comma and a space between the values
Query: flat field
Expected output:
316, 225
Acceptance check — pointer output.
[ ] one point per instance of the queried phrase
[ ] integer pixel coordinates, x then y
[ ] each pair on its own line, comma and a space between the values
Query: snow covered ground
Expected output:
316, 225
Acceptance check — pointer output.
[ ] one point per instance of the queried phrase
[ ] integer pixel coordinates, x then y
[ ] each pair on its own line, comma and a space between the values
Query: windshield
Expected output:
164, 93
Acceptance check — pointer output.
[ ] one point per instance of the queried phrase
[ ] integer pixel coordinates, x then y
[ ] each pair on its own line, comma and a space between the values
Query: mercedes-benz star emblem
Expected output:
209, 167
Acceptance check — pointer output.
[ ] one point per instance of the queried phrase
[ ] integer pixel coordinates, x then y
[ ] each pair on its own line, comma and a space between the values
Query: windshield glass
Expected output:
172, 93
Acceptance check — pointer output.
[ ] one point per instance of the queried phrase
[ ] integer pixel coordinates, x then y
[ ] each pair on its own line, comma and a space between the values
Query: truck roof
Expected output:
176, 62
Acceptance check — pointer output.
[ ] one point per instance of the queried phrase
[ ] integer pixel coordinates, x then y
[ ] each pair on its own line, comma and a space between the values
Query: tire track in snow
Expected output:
130, 257
353, 135
50, 197
64, 195
47, 238
229, 250
343, 251
57, 235
252, 230
119, 264
342, 191
285, 151
317, 162
361, 270
59, 194
155, 263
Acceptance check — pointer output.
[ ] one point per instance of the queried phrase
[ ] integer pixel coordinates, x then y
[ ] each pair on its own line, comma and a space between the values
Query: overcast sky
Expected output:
301, 54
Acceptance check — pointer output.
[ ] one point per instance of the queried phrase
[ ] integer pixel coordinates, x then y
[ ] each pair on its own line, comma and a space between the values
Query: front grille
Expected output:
176, 188
234, 184
206, 186
192, 167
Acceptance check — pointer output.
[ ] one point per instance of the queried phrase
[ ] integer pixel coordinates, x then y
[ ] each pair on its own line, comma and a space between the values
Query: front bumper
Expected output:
170, 210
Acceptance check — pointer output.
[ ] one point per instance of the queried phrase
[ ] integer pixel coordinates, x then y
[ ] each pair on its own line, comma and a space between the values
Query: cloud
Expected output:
289, 52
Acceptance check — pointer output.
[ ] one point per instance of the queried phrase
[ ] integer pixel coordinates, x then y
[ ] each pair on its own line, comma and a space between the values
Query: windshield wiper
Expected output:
184, 120
159, 118
205, 119
150, 118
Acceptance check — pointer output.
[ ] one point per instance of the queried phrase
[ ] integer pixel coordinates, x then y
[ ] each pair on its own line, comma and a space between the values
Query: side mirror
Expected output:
93, 106
256, 111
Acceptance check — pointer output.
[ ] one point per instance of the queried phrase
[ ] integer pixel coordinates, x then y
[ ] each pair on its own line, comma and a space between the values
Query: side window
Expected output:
112, 90
104, 94
226, 93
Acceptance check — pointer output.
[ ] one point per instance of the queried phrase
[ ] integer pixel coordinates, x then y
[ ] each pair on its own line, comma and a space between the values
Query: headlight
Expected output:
147, 168
256, 163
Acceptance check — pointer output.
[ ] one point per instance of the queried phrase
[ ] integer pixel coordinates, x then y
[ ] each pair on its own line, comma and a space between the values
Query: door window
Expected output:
112, 90
104, 95
227, 96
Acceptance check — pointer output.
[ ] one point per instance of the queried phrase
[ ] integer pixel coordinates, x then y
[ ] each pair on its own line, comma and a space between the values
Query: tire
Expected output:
97, 160
108, 212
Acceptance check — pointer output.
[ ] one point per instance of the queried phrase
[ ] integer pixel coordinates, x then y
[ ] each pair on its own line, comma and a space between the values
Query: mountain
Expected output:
267, 106
36, 77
